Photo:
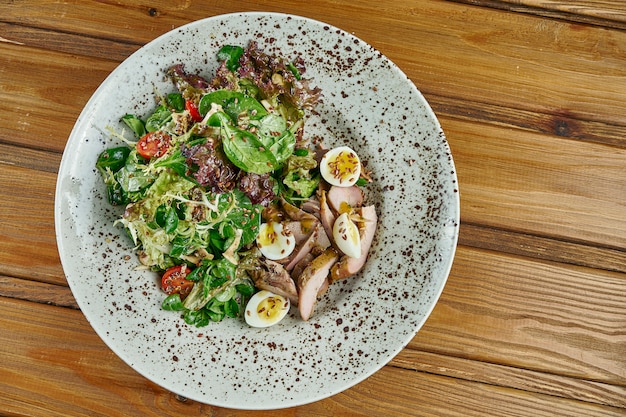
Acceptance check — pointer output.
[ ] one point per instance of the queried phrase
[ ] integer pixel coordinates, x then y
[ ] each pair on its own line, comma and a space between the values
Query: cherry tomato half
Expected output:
192, 108
174, 281
153, 144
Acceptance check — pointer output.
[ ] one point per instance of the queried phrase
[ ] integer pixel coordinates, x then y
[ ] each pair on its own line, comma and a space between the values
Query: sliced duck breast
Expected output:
327, 217
314, 279
312, 207
273, 277
297, 231
342, 199
316, 243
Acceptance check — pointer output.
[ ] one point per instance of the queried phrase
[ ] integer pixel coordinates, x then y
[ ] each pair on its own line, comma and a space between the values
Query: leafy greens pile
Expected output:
205, 163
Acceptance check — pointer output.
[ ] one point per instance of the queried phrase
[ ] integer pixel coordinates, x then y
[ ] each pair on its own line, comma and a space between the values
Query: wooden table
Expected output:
532, 97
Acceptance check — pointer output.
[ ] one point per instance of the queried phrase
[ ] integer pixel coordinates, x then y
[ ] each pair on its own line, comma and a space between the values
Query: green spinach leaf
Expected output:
175, 161
172, 303
246, 151
135, 123
113, 159
230, 54
157, 119
234, 104
198, 318
176, 101
132, 178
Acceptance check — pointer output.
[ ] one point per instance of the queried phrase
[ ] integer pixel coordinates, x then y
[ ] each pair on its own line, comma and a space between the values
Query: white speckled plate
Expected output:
362, 322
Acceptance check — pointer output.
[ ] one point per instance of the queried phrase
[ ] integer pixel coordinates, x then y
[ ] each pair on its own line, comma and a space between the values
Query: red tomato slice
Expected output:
174, 281
153, 144
191, 107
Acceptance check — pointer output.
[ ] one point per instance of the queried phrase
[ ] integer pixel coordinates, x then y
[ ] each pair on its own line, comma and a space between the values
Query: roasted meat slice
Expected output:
307, 220
297, 231
313, 280
327, 217
342, 199
316, 243
272, 276
300, 266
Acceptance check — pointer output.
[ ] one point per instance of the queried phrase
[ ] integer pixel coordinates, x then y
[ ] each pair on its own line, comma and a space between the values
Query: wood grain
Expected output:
70, 43
27, 239
555, 123
36, 291
35, 159
48, 345
542, 316
43, 107
433, 363
607, 13
518, 378
539, 247
518, 180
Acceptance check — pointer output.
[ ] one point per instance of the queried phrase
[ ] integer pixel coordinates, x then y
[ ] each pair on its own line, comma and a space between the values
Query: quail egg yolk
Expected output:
275, 241
341, 167
346, 236
266, 309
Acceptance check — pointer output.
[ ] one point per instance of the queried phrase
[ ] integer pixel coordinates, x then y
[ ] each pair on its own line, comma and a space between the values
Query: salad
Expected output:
240, 213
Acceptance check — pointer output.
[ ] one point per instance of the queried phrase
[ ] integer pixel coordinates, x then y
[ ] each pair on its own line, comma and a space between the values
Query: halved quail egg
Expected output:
266, 309
346, 236
341, 166
275, 241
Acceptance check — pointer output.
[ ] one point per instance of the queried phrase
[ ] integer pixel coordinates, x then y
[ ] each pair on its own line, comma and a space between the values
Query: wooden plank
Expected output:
27, 239
30, 158
419, 394
70, 43
556, 123
68, 350
38, 292
130, 22
433, 363
493, 374
47, 345
538, 247
496, 309
41, 108
518, 180
607, 13
445, 397
577, 75
518, 378
601, 338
